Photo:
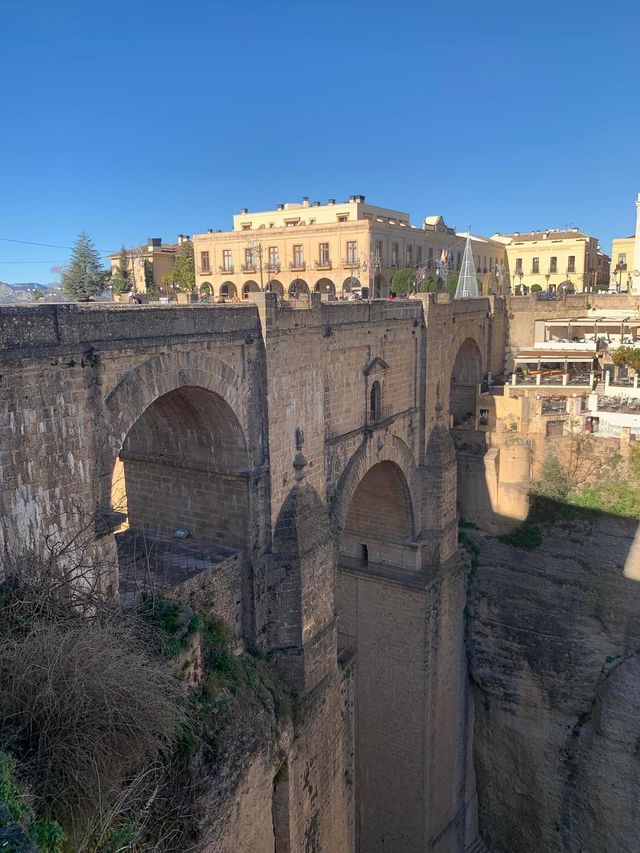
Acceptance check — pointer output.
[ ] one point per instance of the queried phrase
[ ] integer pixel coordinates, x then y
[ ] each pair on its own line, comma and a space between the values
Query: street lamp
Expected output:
547, 276
520, 275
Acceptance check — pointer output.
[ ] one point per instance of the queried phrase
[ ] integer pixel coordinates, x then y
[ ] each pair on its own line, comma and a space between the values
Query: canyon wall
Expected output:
554, 657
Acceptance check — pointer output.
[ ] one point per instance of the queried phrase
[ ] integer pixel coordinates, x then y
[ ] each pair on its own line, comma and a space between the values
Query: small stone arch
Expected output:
206, 289
250, 287
228, 290
298, 286
326, 287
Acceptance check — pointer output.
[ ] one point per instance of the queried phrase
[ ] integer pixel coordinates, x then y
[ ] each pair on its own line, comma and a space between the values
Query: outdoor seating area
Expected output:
627, 405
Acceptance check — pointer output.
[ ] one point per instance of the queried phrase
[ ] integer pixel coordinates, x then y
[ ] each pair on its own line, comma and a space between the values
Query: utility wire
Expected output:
48, 245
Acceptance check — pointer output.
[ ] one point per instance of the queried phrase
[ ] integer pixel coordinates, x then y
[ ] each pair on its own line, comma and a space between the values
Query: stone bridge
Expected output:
307, 452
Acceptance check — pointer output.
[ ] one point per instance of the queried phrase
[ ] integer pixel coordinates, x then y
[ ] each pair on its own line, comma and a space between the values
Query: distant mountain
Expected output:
29, 285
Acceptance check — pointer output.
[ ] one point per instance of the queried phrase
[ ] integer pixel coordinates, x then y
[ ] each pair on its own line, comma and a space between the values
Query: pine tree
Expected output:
184, 270
84, 278
120, 277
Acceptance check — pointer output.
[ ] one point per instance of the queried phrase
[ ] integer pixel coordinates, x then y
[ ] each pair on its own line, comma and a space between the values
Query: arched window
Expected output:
364, 556
375, 402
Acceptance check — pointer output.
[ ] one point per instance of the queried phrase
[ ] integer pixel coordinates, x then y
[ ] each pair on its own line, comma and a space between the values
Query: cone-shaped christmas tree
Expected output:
467, 282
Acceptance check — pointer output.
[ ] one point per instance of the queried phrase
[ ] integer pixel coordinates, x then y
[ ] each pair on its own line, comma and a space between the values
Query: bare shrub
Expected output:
87, 708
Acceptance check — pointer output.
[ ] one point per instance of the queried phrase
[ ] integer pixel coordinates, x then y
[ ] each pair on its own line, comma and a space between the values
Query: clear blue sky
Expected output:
137, 119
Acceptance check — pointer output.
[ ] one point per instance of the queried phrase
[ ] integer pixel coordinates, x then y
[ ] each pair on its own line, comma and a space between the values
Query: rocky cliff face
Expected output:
554, 656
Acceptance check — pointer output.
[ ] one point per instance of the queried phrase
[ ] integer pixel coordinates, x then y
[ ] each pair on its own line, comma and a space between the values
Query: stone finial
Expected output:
299, 462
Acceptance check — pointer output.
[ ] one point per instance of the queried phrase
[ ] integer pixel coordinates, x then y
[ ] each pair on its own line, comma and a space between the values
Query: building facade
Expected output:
625, 259
551, 259
335, 249
156, 257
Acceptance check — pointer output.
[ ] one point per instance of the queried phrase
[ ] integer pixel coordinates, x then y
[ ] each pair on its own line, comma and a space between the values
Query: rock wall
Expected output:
554, 656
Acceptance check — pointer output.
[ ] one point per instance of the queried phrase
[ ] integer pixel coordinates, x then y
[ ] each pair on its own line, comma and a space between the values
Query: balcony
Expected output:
351, 264
204, 271
272, 267
249, 268
323, 264
297, 266
226, 269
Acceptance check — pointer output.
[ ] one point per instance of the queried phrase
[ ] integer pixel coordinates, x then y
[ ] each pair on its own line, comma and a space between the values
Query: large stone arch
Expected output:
142, 385
370, 453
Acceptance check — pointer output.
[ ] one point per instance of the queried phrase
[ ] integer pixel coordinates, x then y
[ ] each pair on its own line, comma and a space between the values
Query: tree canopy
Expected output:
184, 271
121, 277
84, 278
403, 281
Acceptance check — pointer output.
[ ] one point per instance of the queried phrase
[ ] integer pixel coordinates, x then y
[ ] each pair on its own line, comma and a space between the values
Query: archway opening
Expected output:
228, 290
183, 484
376, 605
297, 287
466, 377
206, 290
326, 288
375, 402
276, 286
380, 289
250, 287
350, 285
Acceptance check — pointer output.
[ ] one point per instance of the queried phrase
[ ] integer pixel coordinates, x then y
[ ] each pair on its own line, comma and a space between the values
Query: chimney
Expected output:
280, 207
210, 231
305, 201
359, 198
331, 201
244, 211
154, 242
352, 198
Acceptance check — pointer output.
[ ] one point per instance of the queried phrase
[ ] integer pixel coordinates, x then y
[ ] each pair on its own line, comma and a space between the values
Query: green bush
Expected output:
527, 536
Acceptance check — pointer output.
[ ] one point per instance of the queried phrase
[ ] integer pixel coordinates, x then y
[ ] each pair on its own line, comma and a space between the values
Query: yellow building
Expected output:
335, 249
157, 257
625, 259
550, 259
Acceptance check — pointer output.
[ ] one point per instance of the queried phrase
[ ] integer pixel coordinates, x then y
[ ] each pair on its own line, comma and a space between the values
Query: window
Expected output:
622, 260
419, 255
518, 266
343, 217
571, 264
226, 260
394, 254
246, 226
378, 252
204, 261
324, 253
248, 259
553, 264
535, 265
375, 402
352, 252
298, 256
274, 257
364, 556
409, 256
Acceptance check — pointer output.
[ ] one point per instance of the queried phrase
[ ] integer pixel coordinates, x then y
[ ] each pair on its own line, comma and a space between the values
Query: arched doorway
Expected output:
276, 287
182, 490
349, 285
326, 288
206, 290
297, 287
250, 287
380, 289
378, 618
466, 377
228, 290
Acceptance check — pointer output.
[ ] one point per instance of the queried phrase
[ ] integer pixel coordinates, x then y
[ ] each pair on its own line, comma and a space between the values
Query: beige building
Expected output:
625, 259
160, 257
334, 249
550, 259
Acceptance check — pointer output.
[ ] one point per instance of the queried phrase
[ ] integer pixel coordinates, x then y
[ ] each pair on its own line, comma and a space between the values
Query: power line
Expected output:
48, 245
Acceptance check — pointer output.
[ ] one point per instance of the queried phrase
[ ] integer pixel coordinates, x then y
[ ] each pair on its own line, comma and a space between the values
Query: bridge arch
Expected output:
140, 387
466, 376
